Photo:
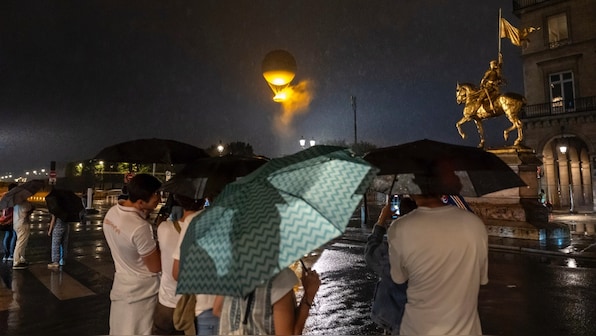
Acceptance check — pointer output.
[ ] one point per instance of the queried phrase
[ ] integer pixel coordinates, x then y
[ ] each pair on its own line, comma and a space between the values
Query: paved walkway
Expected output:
75, 299
581, 245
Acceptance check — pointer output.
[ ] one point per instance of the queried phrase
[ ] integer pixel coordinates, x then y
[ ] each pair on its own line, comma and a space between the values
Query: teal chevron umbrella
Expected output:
270, 218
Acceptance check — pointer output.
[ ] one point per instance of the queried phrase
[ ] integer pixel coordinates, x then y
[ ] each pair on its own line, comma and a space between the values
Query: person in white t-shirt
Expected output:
271, 308
207, 323
442, 252
136, 258
168, 233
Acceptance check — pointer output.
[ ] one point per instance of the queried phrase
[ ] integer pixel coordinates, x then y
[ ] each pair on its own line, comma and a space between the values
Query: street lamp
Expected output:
220, 148
302, 142
101, 169
563, 149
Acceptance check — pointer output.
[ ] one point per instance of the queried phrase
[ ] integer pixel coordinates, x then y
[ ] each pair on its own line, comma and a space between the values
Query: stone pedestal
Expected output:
516, 212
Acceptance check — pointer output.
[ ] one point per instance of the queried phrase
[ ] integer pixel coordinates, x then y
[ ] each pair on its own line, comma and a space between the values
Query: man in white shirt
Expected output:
136, 258
442, 252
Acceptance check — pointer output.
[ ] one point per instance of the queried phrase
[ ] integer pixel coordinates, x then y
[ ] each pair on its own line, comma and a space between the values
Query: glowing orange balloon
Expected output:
279, 68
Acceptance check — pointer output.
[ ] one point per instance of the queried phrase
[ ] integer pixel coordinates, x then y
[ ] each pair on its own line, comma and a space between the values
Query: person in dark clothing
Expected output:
389, 298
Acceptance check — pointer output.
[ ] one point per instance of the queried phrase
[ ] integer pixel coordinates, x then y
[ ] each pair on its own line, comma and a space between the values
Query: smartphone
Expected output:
395, 206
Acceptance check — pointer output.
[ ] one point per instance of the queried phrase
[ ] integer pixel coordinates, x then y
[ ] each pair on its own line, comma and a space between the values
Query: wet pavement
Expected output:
534, 289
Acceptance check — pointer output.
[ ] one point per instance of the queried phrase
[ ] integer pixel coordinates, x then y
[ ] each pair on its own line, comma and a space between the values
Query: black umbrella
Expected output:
480, 172
64, 204
20, 193
208, 176
151, 151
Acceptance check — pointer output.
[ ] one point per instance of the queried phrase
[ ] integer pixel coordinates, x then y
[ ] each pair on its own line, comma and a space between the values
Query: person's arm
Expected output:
373, 255
153, 260
218, 305
51, 227
289, 319
176, 269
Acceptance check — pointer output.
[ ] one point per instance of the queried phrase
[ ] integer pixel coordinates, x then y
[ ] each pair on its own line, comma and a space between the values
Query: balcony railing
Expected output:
586, 104
521, 4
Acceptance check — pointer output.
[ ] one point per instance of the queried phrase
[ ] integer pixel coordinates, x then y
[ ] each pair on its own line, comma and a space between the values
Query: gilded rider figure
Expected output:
492, 79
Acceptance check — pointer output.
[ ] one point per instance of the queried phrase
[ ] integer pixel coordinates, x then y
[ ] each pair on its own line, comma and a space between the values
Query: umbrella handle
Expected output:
391, 188
306, 269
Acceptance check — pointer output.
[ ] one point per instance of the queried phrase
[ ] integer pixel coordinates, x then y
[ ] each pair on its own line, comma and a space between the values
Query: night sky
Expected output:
76, 76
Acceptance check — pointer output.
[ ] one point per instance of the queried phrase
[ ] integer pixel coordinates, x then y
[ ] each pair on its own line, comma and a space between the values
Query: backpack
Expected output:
6, 219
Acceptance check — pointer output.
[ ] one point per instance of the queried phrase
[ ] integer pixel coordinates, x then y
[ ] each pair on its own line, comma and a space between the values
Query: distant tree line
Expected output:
88, 173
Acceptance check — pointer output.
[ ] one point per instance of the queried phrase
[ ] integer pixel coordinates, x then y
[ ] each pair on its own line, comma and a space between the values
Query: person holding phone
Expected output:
252, 316
389, 298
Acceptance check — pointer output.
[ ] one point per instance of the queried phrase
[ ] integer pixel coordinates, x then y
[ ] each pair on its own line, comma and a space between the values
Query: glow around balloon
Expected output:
279, 68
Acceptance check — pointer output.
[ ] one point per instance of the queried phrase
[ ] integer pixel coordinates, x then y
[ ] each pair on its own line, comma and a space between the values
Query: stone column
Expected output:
551, 181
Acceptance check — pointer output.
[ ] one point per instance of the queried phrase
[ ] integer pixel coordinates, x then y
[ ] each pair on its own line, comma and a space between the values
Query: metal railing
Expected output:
585, 104
521, 4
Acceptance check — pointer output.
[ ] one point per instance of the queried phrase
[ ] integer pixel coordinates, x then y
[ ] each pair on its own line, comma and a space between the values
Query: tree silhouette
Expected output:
233, 148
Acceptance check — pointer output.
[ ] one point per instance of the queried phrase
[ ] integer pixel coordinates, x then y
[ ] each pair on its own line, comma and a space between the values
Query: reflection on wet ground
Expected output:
344, 298
528, 293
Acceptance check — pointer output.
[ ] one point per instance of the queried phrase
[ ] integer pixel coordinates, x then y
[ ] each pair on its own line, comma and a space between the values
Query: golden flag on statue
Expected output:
509, 31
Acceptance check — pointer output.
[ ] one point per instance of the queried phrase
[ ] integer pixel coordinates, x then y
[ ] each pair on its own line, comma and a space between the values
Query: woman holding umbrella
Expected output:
59, 231
64, 207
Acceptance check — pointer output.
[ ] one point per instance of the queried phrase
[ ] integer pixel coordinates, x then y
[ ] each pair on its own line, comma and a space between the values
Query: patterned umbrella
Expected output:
20, 193
270, 218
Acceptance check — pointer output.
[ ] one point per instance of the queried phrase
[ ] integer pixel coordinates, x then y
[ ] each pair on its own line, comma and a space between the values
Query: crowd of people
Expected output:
430, 261
15, 223
143, 295
430, 269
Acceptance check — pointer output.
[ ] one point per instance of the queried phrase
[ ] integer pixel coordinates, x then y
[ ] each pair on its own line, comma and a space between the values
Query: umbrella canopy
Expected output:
64, 204
208, 176
270, 218
402, 168
20, 193
151, 151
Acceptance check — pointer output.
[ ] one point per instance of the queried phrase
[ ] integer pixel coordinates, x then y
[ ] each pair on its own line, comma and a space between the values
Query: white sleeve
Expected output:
282, 284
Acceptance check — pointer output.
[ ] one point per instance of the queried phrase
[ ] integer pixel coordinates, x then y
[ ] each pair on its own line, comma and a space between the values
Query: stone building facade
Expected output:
559, 69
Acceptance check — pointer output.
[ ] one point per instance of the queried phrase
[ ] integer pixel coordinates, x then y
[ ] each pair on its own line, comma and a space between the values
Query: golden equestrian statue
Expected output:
488, 102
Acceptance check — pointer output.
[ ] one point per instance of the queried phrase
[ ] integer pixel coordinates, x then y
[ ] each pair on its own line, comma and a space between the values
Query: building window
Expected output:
562, 92
558, 34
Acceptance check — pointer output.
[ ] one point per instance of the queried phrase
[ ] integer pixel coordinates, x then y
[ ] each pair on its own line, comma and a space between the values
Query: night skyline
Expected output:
77, 77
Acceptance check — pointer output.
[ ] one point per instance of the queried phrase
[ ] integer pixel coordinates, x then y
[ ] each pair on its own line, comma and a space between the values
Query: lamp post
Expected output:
101, 168
220, 148
564, 150
302, 142
353, 100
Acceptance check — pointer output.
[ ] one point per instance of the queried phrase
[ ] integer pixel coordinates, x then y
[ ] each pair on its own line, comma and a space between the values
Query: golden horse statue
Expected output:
477, 108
